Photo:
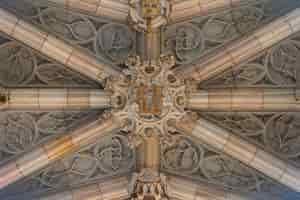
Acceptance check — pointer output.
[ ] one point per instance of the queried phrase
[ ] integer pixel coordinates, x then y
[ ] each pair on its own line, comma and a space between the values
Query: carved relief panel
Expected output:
186, 157
190, 40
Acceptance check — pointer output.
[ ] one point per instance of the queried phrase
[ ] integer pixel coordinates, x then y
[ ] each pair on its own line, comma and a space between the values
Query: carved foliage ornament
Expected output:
278, 133
108, 41
189, 40
19, 131
107, 157
275, 67
186, 158
22, 66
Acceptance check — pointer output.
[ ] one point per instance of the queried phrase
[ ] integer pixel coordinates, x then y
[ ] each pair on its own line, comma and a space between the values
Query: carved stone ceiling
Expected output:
149, 96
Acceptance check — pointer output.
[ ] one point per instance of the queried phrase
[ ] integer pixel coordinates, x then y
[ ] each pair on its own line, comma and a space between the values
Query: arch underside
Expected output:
109, 42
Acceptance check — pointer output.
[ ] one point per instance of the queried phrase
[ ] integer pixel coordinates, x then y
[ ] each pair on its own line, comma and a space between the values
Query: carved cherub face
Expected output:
151, 8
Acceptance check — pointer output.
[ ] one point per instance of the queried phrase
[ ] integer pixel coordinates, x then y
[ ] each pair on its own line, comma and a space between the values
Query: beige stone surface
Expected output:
111, 189
240, 149
32, 161
210, 134
183, 189
268, 164
58, 148
60, 51
57, 50
186, 9
56, 99
244, 151
23, 99
89, 134
9, 173
244, 100
8, 22
239, 51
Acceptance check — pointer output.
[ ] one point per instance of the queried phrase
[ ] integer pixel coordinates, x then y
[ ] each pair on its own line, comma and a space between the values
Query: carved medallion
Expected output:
115, 41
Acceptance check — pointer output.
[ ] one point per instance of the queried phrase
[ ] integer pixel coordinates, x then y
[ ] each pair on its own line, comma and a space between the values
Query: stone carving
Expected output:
115, 40
281, 62
148, 185
186, 40
189, 40
277, 133
18, 132
228, 172
222, 28
114, 154
109, 42
17, 64
155, 10
248, 18
275, 67
185, 157
182, 156
59, 122
282, 134
57, 75
73, 27
247, 74
21, 66
106, 157
245, 124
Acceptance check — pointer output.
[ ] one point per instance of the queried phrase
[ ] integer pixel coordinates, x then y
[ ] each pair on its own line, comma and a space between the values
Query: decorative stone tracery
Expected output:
148, 95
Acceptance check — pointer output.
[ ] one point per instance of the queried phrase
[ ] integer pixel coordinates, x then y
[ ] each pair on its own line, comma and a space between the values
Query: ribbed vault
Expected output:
149, 99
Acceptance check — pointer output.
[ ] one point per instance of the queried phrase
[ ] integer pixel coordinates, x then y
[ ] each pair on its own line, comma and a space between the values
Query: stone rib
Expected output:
183, 189
149, 153
62, 52
242, 50
53, 150
116, 10
45, 99
116, 188
244, 100
187, 9
240, 149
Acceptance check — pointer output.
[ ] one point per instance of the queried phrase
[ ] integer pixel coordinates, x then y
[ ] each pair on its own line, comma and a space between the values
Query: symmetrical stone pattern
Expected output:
148, 95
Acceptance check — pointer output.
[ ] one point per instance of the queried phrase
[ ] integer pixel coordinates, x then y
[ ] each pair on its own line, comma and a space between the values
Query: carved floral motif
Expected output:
17, 64
189, 40
110, 42
113, 155
73, 27
18, 132
277, 133
282, 134
281, 62
106, 157
186, 157
229, 172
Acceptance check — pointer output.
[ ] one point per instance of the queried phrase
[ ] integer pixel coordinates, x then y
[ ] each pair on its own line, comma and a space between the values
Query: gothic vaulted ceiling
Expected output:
149, 99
